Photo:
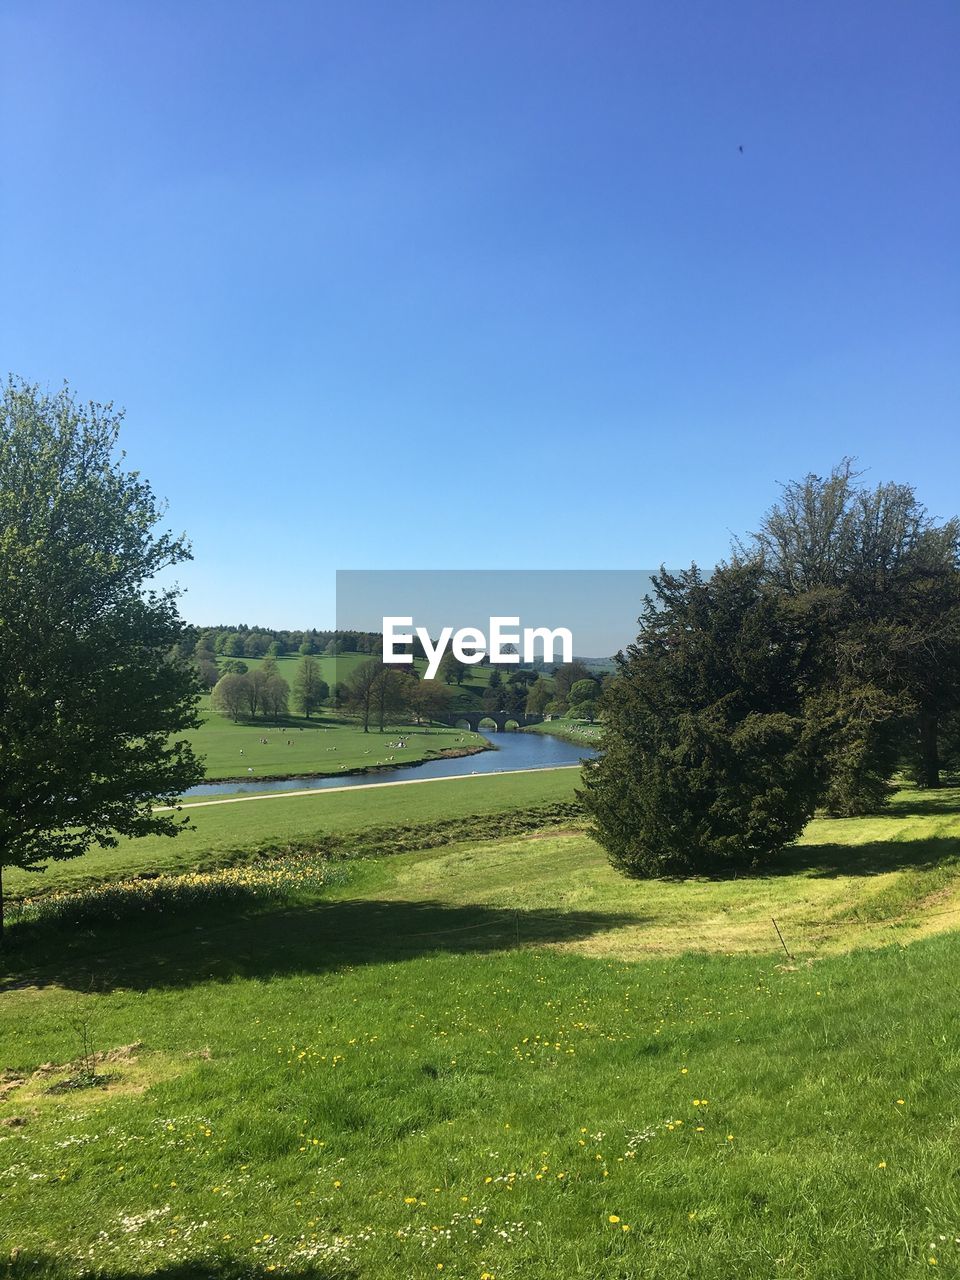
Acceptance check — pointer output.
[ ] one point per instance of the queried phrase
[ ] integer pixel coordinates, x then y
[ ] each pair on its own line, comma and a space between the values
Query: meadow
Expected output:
319, 746
489, 1057
324, 744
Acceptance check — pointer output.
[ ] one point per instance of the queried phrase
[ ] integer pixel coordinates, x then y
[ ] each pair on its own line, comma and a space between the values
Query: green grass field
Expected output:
492, 1058
223, 834
326, 744
320, 745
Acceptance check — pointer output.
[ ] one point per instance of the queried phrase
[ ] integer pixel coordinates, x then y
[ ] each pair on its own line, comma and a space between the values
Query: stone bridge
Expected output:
499, 718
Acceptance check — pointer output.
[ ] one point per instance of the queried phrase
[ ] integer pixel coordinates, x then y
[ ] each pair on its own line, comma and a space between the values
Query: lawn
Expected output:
326, 744
495, 1058
321, 745
224, 834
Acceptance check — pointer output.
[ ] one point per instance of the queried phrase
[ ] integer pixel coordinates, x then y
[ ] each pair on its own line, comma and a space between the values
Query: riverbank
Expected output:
503, 753
445, 753
324, 746
580, 732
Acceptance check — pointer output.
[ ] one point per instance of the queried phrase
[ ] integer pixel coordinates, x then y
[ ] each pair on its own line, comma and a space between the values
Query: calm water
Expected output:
514, 751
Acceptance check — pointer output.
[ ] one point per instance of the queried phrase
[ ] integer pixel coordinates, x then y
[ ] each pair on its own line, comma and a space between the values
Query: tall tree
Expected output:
361, 687
231, 697
452, 669
90, 701
566, 676
309, 688
428, 699
274, 696
884, 578
389, 694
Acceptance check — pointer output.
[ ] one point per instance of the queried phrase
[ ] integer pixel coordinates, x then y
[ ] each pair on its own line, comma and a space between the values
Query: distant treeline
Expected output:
260, 642
242, 641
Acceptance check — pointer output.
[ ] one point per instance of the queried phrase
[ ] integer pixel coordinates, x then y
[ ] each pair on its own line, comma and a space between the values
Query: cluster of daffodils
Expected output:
120, 899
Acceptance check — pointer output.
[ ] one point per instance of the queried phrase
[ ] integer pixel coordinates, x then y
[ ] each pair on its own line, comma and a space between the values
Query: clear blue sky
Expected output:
484, 285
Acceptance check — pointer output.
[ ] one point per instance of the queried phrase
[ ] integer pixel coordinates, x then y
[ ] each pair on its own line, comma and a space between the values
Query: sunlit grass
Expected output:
439, 1063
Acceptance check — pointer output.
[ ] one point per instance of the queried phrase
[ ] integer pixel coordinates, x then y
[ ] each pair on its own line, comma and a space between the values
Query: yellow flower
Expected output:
882, 1164
900, 1102
624, 1227
613, 1218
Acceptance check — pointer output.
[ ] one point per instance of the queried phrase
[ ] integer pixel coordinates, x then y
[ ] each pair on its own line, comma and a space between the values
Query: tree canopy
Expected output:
708, 761
805, 672
91, 688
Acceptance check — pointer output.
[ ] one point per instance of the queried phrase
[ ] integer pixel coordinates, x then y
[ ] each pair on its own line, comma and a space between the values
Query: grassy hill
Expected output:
491, 1057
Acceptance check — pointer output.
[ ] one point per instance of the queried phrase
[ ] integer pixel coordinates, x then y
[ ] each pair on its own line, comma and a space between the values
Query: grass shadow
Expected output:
876, 857
308, 938
42, 1266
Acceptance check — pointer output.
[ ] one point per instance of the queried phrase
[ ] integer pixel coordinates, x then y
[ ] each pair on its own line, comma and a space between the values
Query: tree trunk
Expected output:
1, 904
929, 750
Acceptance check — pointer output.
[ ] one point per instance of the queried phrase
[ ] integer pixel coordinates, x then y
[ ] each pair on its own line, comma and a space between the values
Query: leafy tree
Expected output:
491, 700
537, 699
310, 690
277, 649
524, 676
90, 702
207, 672
339, 695
566, 676
234, 666
584, 710
389, 694
452, 669
584, 691
709, 759
253, 684
496, 679
274, 696
231, 696
256, 645
428, 700
884, 580
513, 700
233, 645
361, 689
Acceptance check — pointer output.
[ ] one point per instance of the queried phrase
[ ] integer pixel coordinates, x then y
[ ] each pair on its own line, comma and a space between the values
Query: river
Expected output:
513, 751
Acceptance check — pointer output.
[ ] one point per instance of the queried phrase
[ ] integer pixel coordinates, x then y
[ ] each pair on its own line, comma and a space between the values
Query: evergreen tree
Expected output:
709, 759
